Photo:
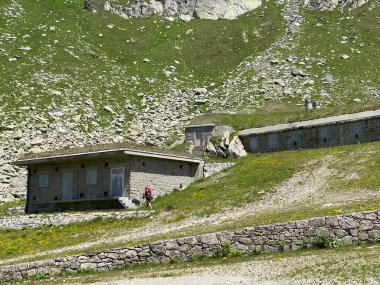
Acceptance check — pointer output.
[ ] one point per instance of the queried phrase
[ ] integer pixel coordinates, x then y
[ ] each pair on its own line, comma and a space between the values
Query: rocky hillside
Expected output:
186, 10
72, 76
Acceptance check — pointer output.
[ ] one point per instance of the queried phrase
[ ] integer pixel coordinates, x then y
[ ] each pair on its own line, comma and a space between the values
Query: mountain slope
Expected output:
70, 77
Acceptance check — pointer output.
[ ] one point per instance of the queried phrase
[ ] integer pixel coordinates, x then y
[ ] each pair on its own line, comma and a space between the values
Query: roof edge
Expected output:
324, 121
94, 154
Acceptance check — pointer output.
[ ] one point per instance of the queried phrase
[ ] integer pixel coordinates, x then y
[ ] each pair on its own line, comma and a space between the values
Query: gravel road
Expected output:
356, 265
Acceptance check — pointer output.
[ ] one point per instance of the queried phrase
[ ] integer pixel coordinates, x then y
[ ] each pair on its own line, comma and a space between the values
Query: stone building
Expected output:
104, 179
326, 132
198, 134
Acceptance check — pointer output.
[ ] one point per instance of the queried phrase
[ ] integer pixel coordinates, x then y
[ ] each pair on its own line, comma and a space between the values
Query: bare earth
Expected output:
350, 266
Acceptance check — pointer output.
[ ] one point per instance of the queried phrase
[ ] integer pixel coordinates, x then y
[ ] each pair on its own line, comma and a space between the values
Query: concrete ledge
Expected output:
312, 123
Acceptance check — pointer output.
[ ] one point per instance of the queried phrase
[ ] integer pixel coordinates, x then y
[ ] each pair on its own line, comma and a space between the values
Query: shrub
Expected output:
40, 275
256, 250
225, 251
236, 253
324, 241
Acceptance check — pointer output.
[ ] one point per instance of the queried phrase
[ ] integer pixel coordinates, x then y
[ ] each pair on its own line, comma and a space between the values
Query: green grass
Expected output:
7, 205
354, 77
28, 241
255, 175
109, 147
247, 182
94, 62
280, 113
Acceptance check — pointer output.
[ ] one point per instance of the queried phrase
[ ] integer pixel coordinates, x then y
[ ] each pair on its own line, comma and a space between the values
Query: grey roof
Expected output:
105, 153
312, 123
199, 126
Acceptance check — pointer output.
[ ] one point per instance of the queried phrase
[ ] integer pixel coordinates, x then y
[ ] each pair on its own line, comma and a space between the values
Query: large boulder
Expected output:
224, 143
236, 148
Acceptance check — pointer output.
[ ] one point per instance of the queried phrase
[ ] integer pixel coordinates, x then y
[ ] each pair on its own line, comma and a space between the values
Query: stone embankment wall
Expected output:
350, 229
319, 133
212, 168
34, 221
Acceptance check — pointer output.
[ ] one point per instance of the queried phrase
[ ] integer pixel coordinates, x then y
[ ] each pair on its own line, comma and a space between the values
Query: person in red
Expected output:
148, 196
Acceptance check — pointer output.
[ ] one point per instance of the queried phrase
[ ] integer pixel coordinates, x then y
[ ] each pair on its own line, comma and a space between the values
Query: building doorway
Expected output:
117, 182
67, 193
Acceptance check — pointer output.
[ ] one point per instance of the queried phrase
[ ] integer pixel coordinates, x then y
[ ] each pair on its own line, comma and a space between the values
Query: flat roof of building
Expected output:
312, 123
199, 126
102, 151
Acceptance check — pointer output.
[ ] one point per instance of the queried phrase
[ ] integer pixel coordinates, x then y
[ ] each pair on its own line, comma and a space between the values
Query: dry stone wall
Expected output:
353, 228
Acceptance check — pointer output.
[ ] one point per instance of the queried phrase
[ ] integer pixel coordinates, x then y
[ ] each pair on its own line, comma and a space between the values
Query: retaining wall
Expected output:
212, 168
350, 229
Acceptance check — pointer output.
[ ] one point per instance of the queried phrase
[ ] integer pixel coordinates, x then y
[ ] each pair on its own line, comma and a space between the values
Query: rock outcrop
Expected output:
223, 142
199, 9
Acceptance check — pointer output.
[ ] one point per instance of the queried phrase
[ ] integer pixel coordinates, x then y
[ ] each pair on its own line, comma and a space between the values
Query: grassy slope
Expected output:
352, 76
96, 62
247, 182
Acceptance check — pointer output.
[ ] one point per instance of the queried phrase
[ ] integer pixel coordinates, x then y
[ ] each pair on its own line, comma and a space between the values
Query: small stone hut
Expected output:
198, 134
104, 178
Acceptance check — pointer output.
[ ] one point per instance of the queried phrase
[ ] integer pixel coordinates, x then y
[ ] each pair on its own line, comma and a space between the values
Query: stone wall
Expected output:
162, 175
328, 135
350, 229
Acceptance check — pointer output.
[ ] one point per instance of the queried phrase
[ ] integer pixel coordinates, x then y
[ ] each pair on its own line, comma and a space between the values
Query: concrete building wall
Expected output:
162, 175
314, 137
42, 198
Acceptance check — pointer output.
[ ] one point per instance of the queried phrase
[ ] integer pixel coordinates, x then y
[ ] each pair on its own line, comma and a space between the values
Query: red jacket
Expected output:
148, 191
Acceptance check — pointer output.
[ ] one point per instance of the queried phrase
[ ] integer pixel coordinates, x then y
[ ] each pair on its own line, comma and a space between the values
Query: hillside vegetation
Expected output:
259, 189
334, 58
55, 56
70, 78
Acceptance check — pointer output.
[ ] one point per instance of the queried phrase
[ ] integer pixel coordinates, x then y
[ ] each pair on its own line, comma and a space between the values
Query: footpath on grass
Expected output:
346, 229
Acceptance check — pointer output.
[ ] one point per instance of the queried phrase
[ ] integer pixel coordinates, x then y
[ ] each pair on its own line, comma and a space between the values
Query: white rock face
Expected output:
219, 144
201, 9
236, 148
